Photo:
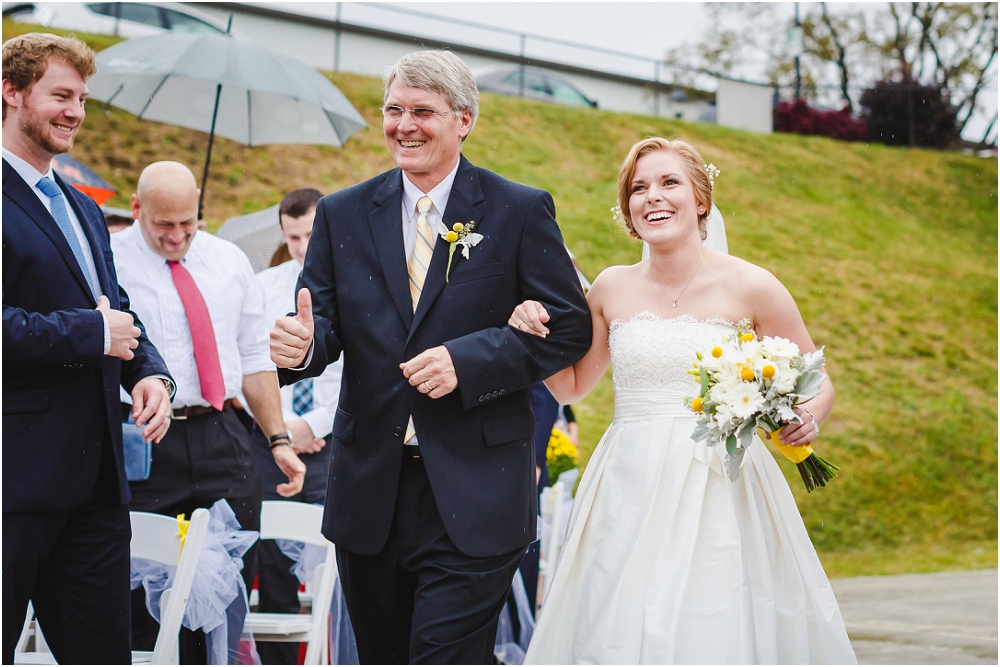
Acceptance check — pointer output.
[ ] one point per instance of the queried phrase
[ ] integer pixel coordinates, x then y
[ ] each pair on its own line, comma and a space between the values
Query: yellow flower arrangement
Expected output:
560, 455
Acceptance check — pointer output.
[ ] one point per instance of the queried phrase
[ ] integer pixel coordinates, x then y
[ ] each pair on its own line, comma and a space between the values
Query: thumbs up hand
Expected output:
292, 336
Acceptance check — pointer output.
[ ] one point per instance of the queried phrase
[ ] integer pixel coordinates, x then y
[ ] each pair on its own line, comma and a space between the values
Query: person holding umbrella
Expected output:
206, 312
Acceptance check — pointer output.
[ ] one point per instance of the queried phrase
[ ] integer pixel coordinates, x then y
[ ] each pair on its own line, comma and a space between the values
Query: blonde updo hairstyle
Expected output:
694, 166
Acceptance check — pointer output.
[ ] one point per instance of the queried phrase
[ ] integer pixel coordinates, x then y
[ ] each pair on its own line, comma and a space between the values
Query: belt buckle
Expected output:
176, 417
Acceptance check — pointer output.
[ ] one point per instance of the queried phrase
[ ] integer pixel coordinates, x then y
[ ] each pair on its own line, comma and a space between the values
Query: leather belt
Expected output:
199, 410
411, 452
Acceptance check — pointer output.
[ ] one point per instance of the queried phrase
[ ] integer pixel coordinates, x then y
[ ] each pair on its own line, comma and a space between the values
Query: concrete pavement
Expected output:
923, 619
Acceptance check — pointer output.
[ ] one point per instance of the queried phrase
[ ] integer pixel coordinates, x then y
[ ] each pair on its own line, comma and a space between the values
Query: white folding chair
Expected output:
154, 537
300, 522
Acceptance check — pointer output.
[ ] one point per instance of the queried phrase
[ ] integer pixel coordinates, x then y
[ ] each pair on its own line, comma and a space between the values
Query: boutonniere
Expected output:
460, 234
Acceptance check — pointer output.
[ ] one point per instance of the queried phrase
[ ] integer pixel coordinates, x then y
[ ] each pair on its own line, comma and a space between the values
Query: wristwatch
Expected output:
279, 439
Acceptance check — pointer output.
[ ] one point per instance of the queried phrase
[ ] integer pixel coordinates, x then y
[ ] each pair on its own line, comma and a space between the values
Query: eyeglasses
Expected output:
420, 114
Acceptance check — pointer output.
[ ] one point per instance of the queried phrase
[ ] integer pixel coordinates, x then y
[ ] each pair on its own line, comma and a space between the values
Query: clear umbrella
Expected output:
226, 86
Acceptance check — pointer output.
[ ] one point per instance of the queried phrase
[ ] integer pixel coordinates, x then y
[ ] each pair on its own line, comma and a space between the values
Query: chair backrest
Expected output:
156, 537
288, 520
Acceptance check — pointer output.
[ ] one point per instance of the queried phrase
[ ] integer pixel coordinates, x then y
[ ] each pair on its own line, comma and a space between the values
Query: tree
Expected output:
847, 48
909, 114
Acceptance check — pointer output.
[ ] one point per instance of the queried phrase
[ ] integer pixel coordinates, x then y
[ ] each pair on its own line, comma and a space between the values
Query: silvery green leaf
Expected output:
704, 381
473, 239
465, 249
814, 360
733, 462
808, 384
785, 414
731, 445
701, 433
442, 230
746, 432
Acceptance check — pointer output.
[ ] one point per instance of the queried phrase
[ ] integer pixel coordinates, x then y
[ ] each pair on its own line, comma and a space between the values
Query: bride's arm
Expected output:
573, 383
775, 314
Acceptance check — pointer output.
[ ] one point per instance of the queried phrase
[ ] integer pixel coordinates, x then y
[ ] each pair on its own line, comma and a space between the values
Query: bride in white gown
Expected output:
666, 560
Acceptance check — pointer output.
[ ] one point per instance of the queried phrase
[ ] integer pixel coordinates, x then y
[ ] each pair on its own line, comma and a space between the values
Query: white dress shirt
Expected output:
278, 285
31, 176
235, 303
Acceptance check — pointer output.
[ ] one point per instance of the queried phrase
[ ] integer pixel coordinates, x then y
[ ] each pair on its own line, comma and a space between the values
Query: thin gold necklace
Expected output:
674, 301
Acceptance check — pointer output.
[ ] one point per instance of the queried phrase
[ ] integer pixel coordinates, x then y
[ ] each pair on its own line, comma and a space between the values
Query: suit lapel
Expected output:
465, 195
387, 234
21, 194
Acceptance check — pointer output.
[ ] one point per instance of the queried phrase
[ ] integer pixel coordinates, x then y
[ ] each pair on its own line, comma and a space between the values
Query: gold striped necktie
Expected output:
423, 249
420, 259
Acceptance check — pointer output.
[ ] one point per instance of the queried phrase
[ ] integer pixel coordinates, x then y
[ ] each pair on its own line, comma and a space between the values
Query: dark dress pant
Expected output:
73, 565
277, 587
420, 600
200, 460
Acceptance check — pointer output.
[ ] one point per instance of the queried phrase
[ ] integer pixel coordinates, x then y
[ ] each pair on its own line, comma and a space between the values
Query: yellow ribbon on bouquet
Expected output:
794, 454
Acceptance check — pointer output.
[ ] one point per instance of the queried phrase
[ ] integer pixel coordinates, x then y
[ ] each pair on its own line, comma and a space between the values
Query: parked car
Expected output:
123, 19
537, 84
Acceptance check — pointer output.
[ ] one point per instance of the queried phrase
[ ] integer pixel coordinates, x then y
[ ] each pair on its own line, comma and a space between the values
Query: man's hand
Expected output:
292, 337
151, 407
432, 372
124, 333
288, 462
303, 440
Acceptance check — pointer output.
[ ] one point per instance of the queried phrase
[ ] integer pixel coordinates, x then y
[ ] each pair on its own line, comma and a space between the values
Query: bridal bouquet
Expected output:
749, 385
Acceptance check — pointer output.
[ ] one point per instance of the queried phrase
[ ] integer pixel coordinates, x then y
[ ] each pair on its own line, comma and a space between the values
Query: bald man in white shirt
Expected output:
206, 314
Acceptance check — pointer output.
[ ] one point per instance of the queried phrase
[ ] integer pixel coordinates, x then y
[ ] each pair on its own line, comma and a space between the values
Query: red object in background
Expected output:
799, 118
83, 179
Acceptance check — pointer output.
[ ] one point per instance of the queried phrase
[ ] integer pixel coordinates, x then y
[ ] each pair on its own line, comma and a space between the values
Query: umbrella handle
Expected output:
208, 155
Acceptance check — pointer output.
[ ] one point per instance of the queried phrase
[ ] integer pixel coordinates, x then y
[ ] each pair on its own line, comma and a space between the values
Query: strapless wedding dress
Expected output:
666, 560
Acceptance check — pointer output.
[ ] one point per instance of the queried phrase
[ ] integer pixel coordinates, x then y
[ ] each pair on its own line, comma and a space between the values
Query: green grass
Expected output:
891, 254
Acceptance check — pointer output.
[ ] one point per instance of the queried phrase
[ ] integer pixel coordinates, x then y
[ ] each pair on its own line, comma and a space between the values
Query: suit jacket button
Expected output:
495, 394
503, 391
398, 431
482, 398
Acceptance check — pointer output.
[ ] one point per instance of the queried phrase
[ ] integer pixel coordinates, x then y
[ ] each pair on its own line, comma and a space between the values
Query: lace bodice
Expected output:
648, 352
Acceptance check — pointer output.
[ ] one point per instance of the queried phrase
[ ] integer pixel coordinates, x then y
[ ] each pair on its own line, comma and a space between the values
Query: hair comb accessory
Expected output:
712, 172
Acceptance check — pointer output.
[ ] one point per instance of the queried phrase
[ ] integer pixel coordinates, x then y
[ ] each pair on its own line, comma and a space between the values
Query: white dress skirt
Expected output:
666, 561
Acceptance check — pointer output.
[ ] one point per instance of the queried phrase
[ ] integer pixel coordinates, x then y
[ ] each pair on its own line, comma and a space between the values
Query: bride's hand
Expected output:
797, 435
530, 317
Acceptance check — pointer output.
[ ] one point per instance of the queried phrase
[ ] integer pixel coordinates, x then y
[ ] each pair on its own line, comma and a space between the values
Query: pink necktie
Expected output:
206, 353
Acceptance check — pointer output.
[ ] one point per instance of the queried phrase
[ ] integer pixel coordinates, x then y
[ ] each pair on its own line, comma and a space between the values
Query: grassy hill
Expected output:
890, 253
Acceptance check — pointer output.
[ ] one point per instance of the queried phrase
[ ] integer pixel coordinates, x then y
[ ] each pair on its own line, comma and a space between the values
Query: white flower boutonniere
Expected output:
460, 234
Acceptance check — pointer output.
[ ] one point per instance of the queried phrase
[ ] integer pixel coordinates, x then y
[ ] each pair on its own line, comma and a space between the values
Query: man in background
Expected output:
308, 408
70, 344
206, 313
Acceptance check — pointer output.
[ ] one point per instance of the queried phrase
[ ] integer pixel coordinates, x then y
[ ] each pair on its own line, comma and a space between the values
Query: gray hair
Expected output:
439, 72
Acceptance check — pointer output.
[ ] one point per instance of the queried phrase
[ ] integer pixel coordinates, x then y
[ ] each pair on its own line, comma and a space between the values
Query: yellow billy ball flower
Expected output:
716, 351
697, 404
458, 227
746, 338
767, 371
451, 237
747, 374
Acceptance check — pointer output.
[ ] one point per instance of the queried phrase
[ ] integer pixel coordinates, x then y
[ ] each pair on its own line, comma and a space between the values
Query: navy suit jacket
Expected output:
61, 400
477, 442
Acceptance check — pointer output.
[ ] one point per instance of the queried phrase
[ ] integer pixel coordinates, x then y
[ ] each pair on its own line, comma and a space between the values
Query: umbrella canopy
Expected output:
226, 86
266, 97
257, 234
83, 179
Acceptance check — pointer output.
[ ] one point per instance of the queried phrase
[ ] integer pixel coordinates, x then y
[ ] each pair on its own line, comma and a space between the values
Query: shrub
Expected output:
799, 118
890, 108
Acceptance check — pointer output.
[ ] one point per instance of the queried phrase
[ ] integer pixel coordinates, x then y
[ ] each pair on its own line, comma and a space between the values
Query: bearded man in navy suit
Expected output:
69, 344
431, 500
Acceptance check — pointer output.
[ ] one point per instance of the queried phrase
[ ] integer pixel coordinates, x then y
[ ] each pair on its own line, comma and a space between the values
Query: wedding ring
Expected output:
429, 387
520, 324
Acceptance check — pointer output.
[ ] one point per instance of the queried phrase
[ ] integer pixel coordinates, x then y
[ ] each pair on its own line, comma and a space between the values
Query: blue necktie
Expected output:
302, 396
61, 215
